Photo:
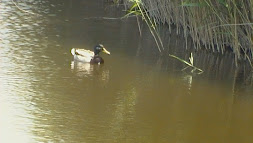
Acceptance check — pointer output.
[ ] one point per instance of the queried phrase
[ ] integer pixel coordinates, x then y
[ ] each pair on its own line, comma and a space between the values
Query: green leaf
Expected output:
133, 6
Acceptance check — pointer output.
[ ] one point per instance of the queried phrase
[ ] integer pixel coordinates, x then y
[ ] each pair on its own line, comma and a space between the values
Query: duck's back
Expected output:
82, 54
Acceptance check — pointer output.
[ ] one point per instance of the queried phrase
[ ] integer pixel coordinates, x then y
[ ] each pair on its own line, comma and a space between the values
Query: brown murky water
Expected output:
136, 96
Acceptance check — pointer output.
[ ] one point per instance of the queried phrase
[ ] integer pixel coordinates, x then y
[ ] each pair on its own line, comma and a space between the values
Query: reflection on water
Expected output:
82, 69
136, 96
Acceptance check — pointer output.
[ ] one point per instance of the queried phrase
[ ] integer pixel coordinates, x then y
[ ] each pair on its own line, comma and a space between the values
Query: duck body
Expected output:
97, 60
82, 55
88, 56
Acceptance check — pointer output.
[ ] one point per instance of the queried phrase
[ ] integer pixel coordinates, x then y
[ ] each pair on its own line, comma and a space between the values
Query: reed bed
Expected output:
218, 25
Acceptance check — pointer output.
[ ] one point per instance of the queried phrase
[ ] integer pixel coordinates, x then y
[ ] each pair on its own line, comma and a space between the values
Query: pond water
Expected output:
136, 96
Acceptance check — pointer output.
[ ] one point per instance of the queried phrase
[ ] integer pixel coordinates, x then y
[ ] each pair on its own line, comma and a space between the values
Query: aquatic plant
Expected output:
138, 9
189, 64
218, 25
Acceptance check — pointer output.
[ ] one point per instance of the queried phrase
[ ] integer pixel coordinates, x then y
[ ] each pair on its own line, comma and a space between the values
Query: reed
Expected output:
137, 9
218, 25
189, 64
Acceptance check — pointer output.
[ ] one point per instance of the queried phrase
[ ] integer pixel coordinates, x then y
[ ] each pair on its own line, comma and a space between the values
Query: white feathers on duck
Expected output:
82, 54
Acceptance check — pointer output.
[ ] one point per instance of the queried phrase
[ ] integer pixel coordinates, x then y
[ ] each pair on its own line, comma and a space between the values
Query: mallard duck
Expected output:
89, 56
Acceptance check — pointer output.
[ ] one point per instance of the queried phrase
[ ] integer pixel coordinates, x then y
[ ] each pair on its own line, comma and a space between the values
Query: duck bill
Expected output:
105, 51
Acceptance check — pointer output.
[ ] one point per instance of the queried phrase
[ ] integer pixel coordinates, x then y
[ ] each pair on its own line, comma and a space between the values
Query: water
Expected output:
136, 96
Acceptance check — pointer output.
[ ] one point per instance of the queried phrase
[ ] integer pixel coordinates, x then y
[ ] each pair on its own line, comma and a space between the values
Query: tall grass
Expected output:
137, 9
218, 25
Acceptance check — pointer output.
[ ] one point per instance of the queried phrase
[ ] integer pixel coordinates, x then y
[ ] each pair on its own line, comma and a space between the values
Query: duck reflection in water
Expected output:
82, 70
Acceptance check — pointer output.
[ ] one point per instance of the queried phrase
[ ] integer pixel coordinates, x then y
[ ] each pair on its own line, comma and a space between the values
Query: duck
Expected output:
88, 56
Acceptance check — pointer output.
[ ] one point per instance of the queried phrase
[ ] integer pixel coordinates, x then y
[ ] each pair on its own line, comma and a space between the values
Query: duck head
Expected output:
100, 48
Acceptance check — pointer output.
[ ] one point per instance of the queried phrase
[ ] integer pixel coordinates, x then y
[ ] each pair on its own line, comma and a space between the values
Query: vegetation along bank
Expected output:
219, 25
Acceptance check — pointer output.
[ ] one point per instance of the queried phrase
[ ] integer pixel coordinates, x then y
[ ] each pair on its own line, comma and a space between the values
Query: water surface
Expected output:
136, 96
